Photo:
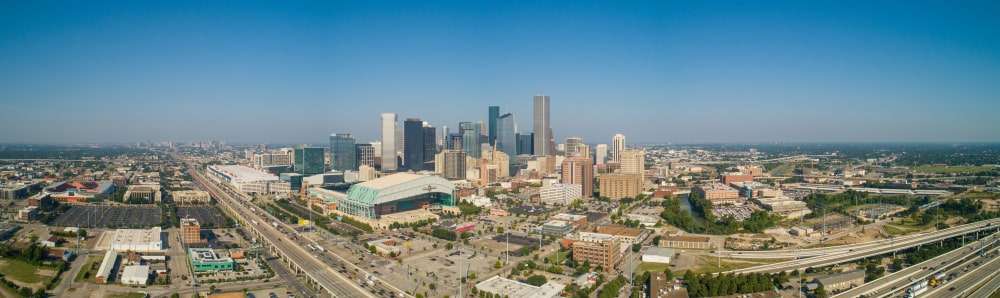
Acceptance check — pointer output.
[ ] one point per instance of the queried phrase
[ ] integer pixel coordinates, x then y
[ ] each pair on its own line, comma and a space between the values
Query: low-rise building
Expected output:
135, 275
107, 267
503, 287
190, 197
190, 231
657, 255
137, 240
576, 220
206, 260
686, 242
556, 228
842, 281
146, 193
625, 235
718, 194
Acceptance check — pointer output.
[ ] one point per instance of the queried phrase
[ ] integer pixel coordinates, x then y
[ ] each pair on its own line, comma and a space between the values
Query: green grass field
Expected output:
940, 169
651, 267
712, 265
87, 272
20, 271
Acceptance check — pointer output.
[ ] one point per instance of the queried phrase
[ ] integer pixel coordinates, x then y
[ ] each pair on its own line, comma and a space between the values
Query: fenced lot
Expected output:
207, 216
110, 217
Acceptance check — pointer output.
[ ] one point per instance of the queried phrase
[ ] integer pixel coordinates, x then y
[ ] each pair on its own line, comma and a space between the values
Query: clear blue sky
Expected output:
658, 71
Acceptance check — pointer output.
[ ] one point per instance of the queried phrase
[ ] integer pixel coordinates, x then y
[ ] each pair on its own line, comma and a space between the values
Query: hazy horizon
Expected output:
658, 72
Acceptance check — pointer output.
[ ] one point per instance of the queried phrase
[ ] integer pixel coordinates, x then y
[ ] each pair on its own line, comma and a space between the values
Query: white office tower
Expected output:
601, 153
617, 147
544, 140
389, 145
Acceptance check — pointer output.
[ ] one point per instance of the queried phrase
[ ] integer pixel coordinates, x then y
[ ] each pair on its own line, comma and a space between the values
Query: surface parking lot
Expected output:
207, 216
110, 217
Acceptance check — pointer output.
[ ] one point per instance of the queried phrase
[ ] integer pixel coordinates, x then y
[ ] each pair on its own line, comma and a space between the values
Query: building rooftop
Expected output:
135, 272
136, 235
685, 238
841, 277
390, 180
619, 230
513, 288
240, 173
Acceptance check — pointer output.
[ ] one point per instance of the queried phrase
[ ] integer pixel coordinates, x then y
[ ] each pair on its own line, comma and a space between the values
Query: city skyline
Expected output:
657, 72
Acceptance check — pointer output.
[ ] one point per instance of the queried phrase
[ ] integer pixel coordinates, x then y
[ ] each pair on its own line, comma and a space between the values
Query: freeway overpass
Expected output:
908, 240
301, 261
860, 252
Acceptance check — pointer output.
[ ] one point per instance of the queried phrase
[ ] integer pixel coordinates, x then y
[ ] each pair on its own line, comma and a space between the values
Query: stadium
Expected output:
396, 193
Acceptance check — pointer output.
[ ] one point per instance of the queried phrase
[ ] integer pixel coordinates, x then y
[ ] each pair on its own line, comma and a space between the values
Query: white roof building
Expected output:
137, 240
135, 275
560, 193
511, 288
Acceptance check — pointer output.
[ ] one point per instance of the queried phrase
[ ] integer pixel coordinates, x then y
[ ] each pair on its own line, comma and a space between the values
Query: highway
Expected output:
869, 250
970, 280
911, 240
331, 281
900, 280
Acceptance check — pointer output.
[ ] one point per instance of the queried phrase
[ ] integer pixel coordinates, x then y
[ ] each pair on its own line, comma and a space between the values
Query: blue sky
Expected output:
658, 71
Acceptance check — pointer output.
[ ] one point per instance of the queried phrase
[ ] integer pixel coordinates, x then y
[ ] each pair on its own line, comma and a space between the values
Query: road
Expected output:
331, 281
970, 280
863, 251
902, 279
911, 240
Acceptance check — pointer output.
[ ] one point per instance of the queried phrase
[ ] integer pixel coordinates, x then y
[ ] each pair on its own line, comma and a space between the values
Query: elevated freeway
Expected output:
838, 256
301, 261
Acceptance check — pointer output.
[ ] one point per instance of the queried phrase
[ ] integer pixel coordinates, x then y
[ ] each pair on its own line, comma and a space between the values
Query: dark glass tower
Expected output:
343, 155
492, 120
413, 144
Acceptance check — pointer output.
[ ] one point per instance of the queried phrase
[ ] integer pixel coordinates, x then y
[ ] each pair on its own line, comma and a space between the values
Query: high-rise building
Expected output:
190, 231
575, 146
579, 170
526, 143
454, 141
451, 164
343, 155
365, 154
633, 161
601, 153
617, 146
600, 250
544, 142
470, 138
309, 160
492, 118
413, 136
493, 165
506, 139
430, 146
443, 137
389, 142
620, 185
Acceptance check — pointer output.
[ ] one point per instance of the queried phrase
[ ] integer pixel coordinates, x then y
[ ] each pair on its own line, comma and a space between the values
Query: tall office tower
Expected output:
443, 138
525, 143
491, 120
579, 170
454, 141
343, 156
506, 139
617, 146
413, 136
451, 164
389, 142
633, 161
309, 160
430, 147
601, 153
470, 138
574, 146
544, 142
365, 155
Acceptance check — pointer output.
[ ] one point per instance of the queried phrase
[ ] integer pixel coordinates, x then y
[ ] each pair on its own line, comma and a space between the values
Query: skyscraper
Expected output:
617, 147
544, 143
601, 153
633, 161
492, 118
413, 136
389, 142
309, 160
506, 139
525, 143
454, 141
430, 146
343, 156
579, 170
575, 146
365, 155
470, 138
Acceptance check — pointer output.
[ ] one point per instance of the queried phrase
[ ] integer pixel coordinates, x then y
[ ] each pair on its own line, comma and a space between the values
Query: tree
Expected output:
636, 247
536, 280
820, 292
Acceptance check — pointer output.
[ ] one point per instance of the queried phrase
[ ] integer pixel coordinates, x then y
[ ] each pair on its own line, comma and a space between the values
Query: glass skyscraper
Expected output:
413, 144
507, 135
492, 119
470, 138
525, 143
309, 160
343, 155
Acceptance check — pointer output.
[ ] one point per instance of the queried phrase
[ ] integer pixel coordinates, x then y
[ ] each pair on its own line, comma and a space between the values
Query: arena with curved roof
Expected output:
396, 193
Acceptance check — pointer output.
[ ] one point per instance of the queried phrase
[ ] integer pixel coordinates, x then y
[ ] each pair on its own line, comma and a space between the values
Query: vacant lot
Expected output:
207, 216
941, 169
24, 274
